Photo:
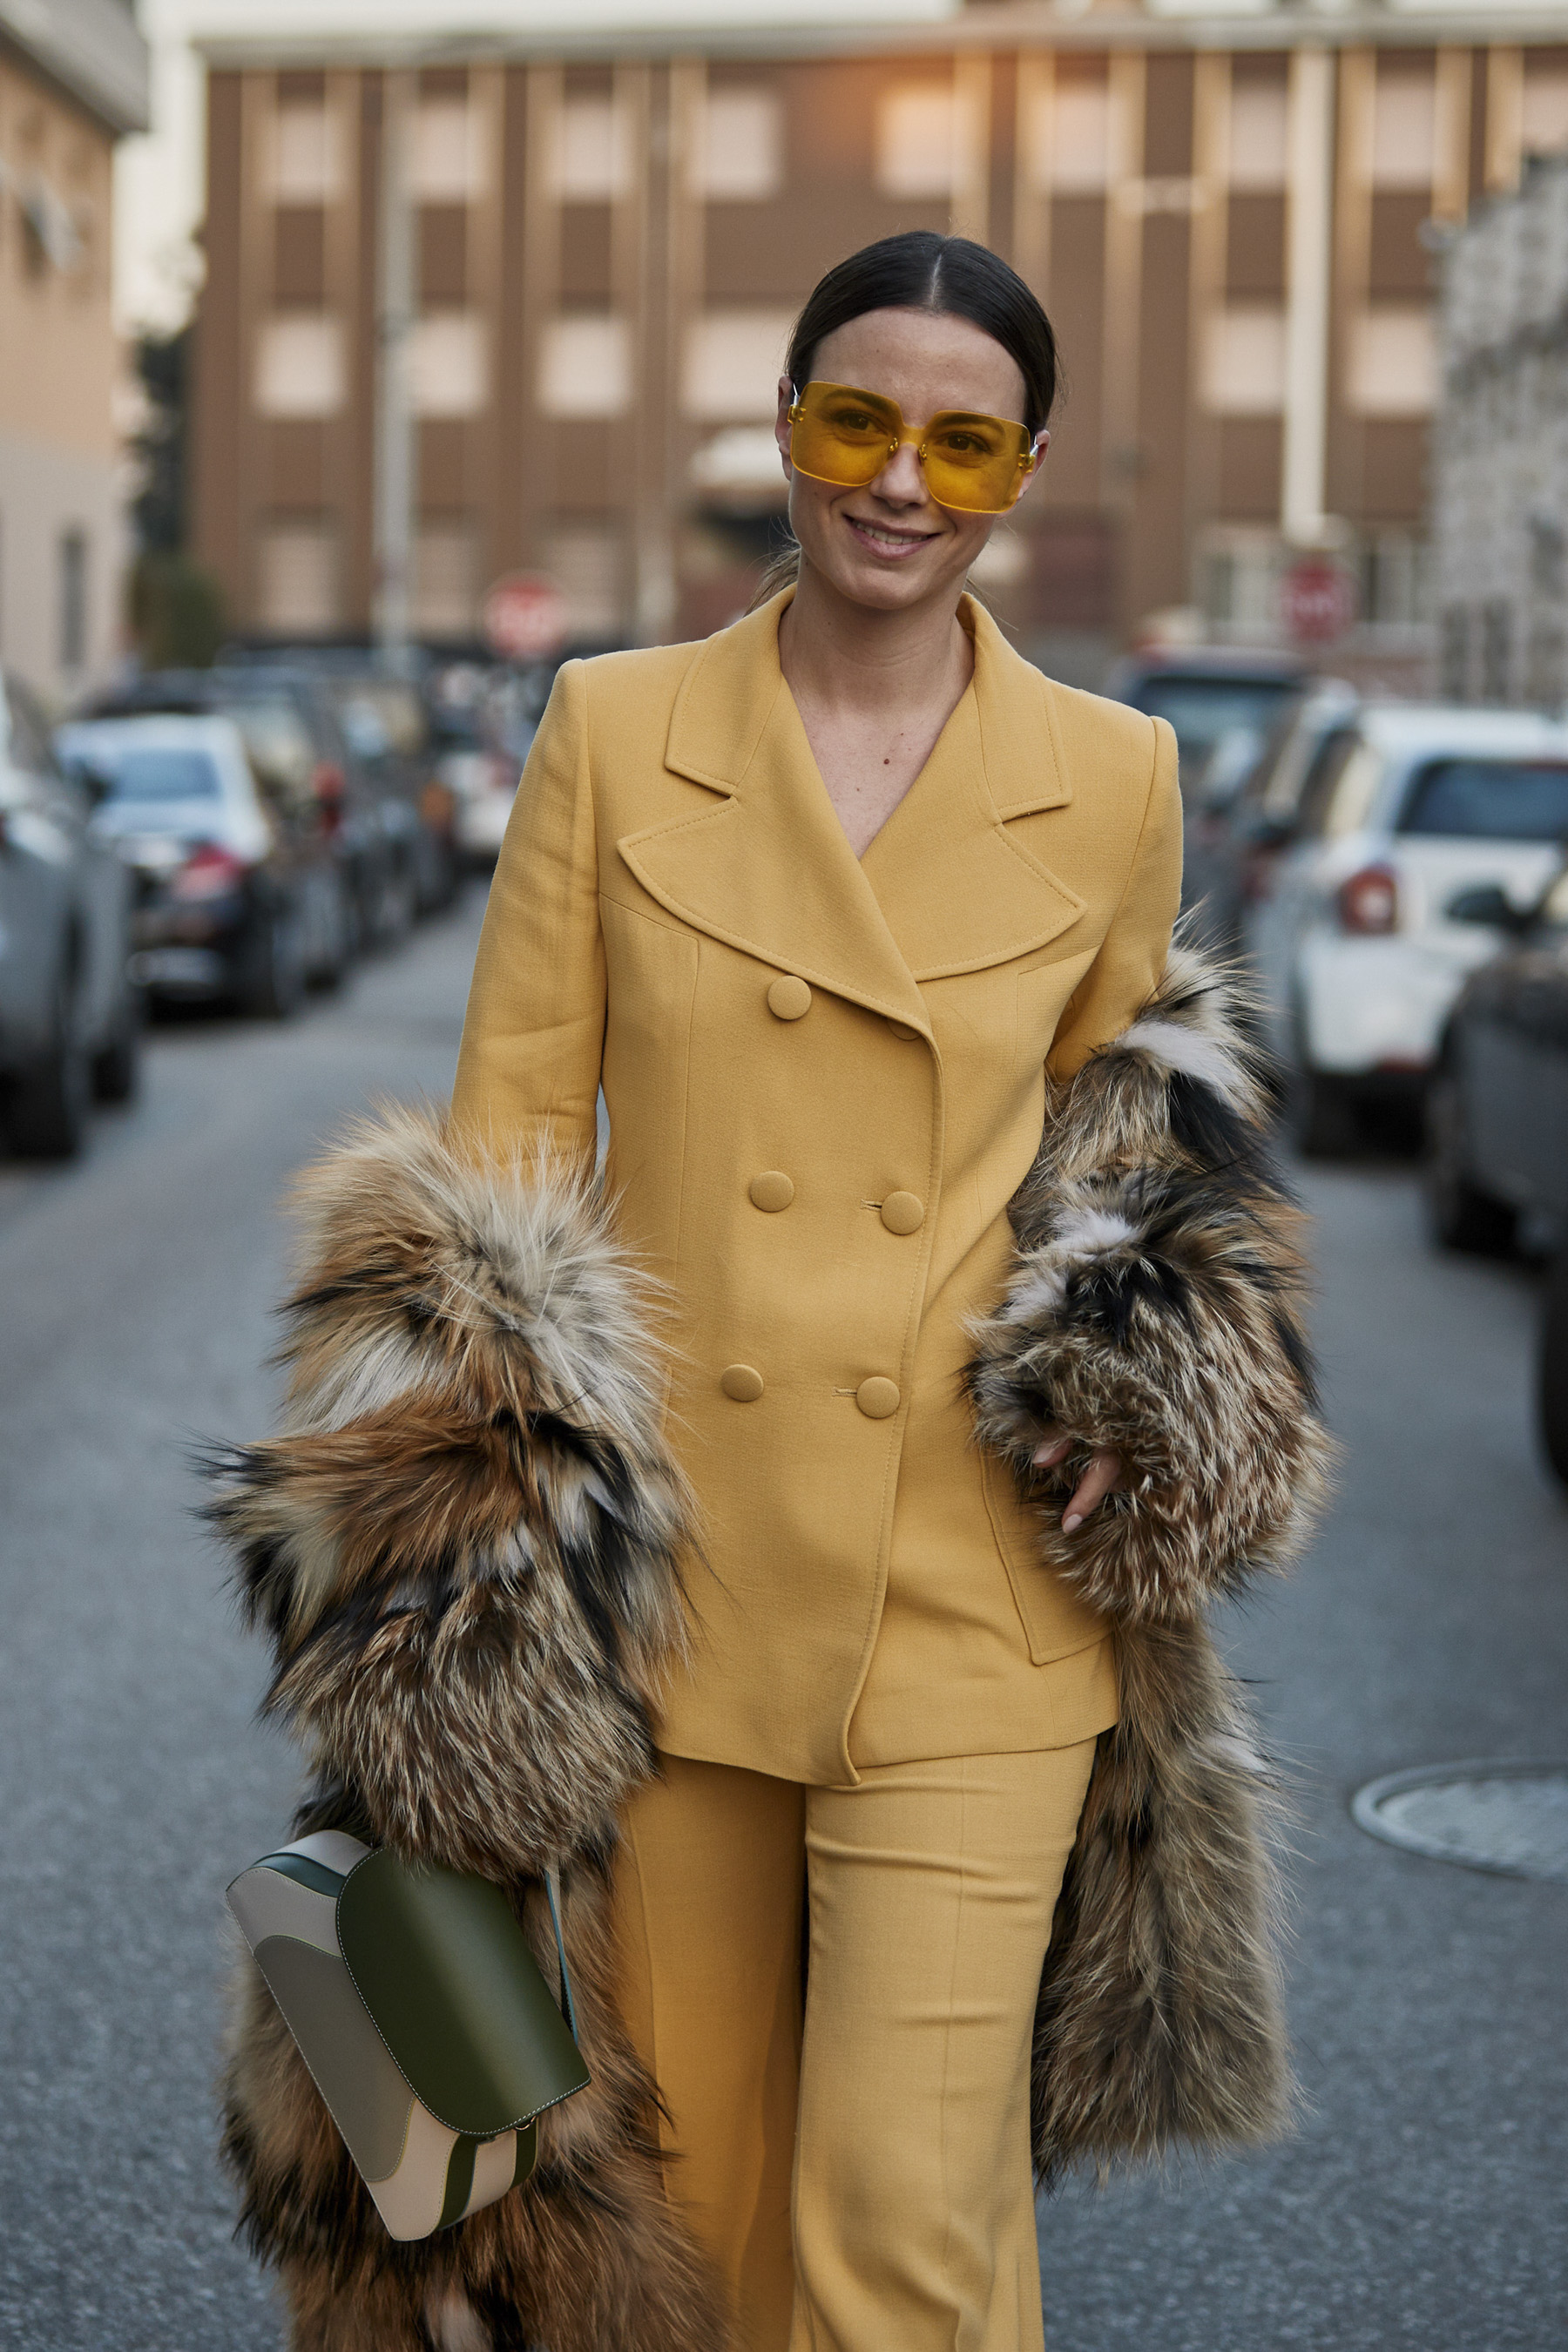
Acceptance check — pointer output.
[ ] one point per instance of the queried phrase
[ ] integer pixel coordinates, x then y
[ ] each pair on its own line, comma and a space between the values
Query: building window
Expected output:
733, 363
591, 153
585, 367
1544, 113
73, 600
1393, 368
448, 162
449, 372
301, 368
587, 562
925, 141
1244, 362
1069, 139
1258, 138
304, 163
444, 568
297, 577
738, 156
1404, 131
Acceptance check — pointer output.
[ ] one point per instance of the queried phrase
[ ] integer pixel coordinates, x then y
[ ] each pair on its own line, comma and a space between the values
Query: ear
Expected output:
1042, 443
781, 425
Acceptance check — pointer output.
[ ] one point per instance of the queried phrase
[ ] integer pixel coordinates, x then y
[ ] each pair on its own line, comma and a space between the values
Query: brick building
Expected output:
1226, 210
73, 78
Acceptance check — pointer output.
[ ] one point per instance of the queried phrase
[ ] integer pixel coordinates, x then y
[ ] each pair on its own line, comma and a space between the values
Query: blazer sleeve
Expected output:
1131, 959
527, 1071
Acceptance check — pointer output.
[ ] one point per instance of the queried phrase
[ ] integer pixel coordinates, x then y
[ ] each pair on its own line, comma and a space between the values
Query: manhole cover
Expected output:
1506, 1817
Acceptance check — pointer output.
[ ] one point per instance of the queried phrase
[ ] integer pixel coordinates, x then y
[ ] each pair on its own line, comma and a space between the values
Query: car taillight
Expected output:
1368, 902
209, 872
327, 782
437, 806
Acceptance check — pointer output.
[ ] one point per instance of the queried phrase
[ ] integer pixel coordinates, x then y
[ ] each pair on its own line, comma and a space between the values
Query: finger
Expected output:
1103, 1473
1054, 1447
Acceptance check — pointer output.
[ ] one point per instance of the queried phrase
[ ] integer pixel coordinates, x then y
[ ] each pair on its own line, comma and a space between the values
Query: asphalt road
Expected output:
1422, 2203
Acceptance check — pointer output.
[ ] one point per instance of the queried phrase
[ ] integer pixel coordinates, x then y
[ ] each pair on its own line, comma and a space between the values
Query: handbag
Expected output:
420, 2010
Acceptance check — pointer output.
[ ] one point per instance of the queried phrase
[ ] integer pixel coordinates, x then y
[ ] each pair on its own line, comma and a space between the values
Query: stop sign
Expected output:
1318, 600
525, 616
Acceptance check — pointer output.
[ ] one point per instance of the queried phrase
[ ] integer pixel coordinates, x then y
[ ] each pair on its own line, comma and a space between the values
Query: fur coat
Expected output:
464, 1547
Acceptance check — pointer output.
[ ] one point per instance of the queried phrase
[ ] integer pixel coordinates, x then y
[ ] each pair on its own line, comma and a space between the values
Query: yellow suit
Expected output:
825, 1082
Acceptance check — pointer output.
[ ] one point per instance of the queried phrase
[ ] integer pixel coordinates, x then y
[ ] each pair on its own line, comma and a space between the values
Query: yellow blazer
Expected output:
824, 1078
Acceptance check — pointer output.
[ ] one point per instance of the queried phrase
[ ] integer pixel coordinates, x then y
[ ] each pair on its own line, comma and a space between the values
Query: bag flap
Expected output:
447, 1974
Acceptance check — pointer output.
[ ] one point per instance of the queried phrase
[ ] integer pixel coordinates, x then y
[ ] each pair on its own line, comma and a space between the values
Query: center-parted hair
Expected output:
951, 276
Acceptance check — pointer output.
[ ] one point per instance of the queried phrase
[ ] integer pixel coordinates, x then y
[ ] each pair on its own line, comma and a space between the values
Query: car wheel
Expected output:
398, 907
327, 972
46, 1117
1460, 1215
274, 987
1551, 1369
1322, 1115
117, 1065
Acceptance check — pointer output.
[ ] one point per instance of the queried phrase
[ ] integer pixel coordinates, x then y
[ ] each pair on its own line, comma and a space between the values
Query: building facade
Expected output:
1500, 470
73, 78
585, 263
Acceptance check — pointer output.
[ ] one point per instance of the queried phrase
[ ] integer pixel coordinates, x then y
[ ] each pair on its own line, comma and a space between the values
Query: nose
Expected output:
901, 482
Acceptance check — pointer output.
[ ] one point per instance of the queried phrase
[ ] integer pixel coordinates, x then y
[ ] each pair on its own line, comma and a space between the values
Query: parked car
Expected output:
484, 721
237, 896
388, 728
1359, 957
1208, 691
298, 752
1497, 1115
70, 1017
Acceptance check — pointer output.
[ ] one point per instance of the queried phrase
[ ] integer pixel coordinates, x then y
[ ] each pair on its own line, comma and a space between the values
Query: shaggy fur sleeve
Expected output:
464, 1541
1156, 1305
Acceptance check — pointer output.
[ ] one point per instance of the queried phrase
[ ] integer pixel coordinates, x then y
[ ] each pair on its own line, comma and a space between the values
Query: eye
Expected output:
857, 420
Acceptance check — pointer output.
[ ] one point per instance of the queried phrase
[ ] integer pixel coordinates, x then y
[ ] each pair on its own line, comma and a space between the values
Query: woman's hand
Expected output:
1102, 1476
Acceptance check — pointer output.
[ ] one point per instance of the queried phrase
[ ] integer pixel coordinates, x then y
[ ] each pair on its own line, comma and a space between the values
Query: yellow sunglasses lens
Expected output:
975, 463
840, 435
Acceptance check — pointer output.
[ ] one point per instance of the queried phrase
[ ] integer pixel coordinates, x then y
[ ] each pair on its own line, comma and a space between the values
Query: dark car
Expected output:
1226, 707
237, 897
70, 1017
298, 751
387, 725
1497, 1115
1207, 692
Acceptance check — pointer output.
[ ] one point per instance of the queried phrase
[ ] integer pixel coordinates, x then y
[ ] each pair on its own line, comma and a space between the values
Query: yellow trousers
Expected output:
858, 2162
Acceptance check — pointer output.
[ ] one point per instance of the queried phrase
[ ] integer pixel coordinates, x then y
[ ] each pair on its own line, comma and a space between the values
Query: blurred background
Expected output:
362, 360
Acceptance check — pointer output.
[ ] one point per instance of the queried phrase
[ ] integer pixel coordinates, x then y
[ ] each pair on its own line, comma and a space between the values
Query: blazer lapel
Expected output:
958, 889
767, 868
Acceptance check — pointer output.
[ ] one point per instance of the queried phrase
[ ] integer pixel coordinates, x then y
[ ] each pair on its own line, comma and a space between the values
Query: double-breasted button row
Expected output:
878, 1397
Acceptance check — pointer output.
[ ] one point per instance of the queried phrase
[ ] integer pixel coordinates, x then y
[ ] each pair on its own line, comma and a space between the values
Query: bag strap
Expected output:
568, 2006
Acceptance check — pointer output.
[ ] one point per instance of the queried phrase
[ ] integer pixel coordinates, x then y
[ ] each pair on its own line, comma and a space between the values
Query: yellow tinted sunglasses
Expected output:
978, 464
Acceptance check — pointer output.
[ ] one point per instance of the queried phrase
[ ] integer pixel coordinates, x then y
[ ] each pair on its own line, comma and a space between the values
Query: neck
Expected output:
842, 656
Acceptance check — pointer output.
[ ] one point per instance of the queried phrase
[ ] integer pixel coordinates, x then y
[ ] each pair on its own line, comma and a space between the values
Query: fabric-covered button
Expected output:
903, 1213
770, 1191
877, 1397
741, 1383
789, 998
902, 1029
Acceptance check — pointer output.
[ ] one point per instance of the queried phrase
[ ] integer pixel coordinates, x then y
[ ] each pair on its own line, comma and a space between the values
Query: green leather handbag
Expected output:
421, 2012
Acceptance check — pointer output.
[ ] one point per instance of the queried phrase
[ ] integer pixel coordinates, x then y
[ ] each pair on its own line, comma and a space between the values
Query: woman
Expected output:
707, 1592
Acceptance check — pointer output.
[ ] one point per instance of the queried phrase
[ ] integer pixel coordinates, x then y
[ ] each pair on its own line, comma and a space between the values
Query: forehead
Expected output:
925, 359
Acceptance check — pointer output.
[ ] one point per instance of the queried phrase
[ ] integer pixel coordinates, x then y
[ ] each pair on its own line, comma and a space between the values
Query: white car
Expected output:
1404, 807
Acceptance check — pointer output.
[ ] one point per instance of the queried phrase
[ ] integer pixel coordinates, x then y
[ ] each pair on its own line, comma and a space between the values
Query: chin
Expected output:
890, 588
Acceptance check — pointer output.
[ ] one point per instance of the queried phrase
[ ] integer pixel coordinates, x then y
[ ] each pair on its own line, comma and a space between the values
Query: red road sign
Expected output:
1318, 600
525, 616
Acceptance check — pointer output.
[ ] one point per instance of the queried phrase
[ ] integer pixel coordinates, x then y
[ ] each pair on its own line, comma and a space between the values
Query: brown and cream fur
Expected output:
1157, 1307
465, 1543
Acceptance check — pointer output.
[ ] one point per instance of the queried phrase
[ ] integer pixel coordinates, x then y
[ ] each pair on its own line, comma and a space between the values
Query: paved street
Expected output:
1423, 2202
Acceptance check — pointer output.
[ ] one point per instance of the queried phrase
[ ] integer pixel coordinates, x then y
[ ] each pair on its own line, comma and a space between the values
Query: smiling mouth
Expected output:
882, 540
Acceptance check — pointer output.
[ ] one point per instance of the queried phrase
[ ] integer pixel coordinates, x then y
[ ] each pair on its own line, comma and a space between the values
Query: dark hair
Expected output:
922, 271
